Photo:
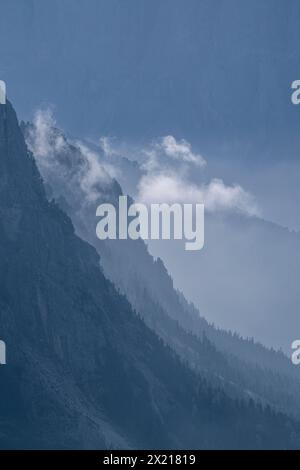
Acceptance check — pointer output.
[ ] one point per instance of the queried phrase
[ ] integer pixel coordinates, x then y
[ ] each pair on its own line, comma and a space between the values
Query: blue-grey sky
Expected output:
212, 71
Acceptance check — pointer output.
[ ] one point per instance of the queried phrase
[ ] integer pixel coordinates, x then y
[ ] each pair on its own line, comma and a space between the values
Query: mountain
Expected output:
78, 178
83, 371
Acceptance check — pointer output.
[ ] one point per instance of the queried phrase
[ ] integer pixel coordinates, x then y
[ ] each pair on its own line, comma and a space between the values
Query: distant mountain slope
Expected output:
240, 367
244, 279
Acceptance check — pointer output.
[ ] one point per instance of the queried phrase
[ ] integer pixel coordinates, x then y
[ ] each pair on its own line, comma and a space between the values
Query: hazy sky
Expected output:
212, 71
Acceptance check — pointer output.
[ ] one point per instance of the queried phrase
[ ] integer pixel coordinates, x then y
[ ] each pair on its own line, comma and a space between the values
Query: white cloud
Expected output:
218, 196
166, 180
43, 140
171, 188
66, 164
159, 188
181, 150
107, 147
92, 174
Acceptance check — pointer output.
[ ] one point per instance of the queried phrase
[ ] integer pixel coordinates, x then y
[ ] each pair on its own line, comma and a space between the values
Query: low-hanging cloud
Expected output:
166, 180
71, 167
44, 142
216, 195
181, 150
167, 167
